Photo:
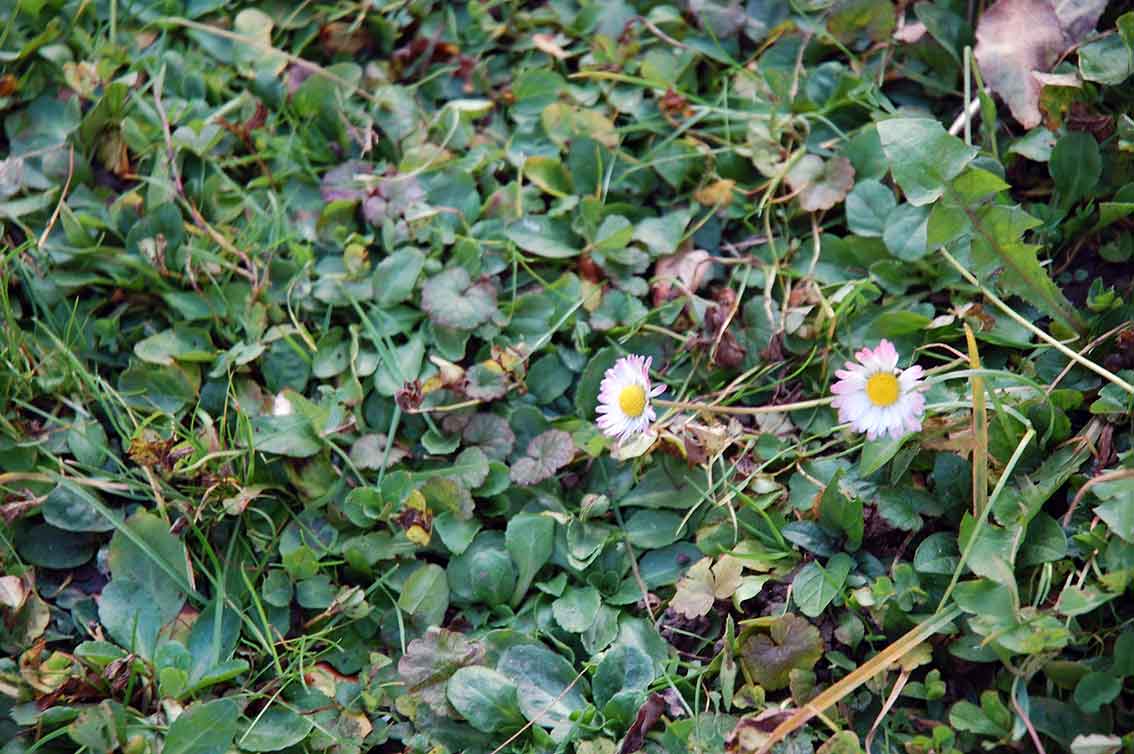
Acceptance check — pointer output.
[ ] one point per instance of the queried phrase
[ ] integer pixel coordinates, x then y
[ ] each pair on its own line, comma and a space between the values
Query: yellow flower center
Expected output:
632, 400
882, 389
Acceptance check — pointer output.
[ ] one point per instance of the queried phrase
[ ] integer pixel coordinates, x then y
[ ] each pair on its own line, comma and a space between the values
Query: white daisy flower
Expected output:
878, 398
624, 398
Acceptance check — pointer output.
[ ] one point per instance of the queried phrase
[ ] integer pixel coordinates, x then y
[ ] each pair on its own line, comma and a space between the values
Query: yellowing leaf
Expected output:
704, 584
717, 193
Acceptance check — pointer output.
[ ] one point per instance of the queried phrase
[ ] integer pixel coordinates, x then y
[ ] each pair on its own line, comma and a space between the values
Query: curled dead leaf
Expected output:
681, 272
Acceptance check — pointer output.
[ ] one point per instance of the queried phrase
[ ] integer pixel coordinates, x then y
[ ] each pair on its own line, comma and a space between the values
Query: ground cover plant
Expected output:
579, 376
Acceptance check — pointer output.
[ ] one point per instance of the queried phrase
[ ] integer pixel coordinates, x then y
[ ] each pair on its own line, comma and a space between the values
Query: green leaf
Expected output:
486, 698
650, 529
1117, 510
877, 453
396, 275
997, 230
274, 729
180, 343
906, 232
923, 157
937, 555
564, 123
667, 485
841, 513
158, 235
530, 539
661, 235
167, 389
1095, 690
899, 508
543, 684
577, 609
614, 233
1106, 61
549, 174
49, 547
1044, 542
623, 667
1076, 166
288, 435
1075, 601
451, 299
544, 237
868, 206
203, 728
484, 572
69, 507
587, 388
144, 551
425, 595
815, 586
98, 727
456, 533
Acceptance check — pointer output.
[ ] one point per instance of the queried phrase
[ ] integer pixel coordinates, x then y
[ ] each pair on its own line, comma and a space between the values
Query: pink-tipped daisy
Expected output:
624, 398
878, 398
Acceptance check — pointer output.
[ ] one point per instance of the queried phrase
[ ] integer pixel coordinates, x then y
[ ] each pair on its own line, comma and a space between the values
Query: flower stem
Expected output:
743, 410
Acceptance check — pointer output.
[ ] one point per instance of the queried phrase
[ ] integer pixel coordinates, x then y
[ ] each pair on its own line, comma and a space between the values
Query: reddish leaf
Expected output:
1018, 37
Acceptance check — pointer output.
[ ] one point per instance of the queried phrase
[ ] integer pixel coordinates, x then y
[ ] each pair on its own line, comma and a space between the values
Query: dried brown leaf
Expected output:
1018, 37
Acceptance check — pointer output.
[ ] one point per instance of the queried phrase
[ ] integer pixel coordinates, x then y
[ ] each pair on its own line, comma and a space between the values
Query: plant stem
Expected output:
743, 410
1030, 327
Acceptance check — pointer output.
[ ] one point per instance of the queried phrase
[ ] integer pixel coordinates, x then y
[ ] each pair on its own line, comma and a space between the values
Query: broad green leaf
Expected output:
274, 729
1117, 509
287, 435
486, 698
549, 174
577, 609
543, 684
483, 573
937, 555
530, 539
815, 586
452, 299
425, 595
1095, 690
922, 156
396, 275
1076, 166
868, 206
661, 235
69, 507
544, 237
906, 232
622, 667
203, 728
1106, 61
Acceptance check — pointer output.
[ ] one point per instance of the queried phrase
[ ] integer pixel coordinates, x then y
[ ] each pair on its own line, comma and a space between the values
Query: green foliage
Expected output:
306, 316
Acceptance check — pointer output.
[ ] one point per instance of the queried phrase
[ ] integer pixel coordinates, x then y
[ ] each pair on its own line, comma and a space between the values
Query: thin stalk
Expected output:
999, 303
980, 427
744, 410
